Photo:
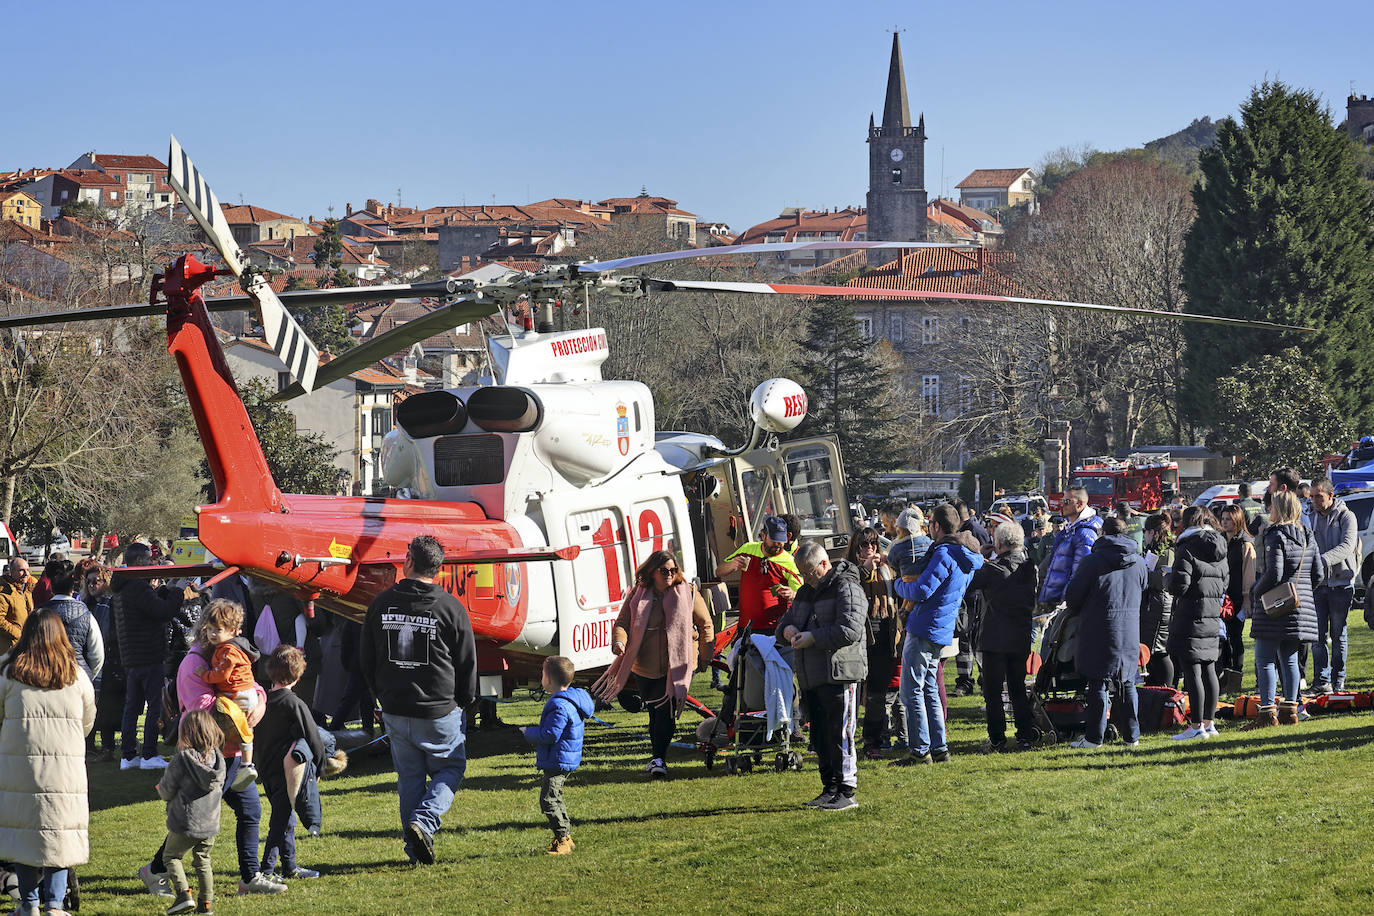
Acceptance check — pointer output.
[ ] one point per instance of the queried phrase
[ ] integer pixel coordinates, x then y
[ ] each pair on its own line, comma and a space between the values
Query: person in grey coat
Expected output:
191, 786
825, 627
1338, 539
1105, 593
1290, 554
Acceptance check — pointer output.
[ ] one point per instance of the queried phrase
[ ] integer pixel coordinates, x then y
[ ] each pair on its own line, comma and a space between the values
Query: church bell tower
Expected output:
896, 168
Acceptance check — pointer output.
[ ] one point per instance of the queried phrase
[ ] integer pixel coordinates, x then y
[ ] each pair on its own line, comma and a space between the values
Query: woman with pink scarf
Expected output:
653, 641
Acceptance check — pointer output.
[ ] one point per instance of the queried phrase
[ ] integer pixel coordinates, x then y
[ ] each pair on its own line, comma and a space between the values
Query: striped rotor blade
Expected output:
851, 292
442, 319
287, 338
764, 248
190, 186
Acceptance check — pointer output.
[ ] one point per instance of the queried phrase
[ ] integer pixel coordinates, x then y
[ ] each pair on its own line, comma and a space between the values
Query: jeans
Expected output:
551, 801
1095, 719
833, 712
142, 692
45, 887
662, 725
1333, 608
356, 696
247, 808
308, 808
925, 718
1276, 660
281, 831
430, 757
1007, 668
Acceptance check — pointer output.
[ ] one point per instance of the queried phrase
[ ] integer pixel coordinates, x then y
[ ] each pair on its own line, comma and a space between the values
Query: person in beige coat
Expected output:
47, 707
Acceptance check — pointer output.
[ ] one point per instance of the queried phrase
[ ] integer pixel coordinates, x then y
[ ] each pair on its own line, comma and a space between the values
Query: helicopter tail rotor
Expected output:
284, 335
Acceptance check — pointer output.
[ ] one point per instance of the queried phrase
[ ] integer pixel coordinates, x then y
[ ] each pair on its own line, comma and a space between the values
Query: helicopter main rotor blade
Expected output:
763, 248
343, 295
286, 338
442, 319
136, 310
851, 292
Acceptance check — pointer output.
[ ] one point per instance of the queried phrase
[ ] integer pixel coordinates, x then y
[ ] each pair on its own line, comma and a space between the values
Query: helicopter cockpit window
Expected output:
758, 498
809, 475
468, 461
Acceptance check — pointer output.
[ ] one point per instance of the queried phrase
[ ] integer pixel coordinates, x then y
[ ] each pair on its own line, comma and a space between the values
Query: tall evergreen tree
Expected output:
851, 393
1283, 233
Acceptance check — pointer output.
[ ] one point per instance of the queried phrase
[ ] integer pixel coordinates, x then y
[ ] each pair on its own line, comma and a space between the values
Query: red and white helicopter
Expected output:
546, 484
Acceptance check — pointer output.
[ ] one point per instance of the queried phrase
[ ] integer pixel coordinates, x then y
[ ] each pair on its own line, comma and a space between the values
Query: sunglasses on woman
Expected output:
667, 570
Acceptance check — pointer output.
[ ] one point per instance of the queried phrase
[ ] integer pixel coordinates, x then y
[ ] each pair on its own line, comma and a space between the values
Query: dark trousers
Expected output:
1201, 681
832, 708
551, 801
281, 830
1099, 706
142, 694
1233, 645
1160, 671
877, 694
355, 696
1007, 668
247, 808
662, 725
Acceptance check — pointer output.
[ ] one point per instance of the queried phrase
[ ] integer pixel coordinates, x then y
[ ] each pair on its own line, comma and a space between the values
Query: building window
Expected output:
895, 329
283, 381
965, 394
865, 327
381, 425
930, 330
896, 176
930, 395
965, 325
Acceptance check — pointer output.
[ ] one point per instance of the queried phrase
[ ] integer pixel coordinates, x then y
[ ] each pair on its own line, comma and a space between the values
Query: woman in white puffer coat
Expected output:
47, 706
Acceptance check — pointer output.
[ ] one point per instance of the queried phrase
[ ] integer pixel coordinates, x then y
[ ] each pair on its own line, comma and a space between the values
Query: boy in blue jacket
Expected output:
557, 740
929, 628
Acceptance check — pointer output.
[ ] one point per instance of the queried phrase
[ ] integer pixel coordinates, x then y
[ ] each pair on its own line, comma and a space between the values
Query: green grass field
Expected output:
1268, 821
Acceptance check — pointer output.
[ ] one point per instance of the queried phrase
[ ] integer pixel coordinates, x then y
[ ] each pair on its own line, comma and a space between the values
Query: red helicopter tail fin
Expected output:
238, 466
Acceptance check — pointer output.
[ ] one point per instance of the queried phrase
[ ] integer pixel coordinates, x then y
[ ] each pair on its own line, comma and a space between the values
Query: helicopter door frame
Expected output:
836, 538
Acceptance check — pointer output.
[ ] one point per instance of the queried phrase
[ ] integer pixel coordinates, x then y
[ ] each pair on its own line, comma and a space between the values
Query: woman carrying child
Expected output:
192, 786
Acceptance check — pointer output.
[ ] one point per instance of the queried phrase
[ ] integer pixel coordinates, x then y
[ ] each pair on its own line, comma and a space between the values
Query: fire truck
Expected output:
1144, 482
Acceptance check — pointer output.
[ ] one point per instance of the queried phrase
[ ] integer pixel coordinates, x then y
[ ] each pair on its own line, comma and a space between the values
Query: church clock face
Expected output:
897, 155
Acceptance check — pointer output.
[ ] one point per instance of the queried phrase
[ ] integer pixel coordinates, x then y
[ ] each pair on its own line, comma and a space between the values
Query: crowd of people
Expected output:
87, 651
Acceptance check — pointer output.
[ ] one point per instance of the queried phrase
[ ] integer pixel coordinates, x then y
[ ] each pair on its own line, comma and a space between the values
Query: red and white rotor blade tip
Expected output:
854, 292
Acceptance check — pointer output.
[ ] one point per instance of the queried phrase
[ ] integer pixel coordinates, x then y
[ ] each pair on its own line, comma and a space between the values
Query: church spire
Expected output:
896, 112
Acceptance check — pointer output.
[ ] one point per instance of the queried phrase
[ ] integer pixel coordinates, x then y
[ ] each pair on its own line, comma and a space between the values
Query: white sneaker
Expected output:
152, 763
1083, 744
134, 764
1211, 730
1190, 734
656, 768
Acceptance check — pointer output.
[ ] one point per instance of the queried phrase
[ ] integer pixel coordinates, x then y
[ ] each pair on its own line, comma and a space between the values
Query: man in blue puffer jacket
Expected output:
1071, 545
557, 741
929, 628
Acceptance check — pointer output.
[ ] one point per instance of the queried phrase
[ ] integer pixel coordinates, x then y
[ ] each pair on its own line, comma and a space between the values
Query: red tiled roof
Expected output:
848, 223
129, 163
238, 214
943, 270
6, 195
992, 178
11, 231
90, 178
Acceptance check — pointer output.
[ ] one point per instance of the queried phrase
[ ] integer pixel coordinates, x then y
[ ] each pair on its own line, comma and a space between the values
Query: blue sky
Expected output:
735, 110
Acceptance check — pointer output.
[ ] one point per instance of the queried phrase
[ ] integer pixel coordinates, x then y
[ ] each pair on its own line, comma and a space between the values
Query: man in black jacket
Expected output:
141, 616
419, 658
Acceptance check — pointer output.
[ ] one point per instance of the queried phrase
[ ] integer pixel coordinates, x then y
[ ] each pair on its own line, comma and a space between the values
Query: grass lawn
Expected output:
1276, 820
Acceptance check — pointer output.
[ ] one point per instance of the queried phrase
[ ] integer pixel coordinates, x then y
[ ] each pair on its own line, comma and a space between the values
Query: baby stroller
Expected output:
739, 733
1057, 702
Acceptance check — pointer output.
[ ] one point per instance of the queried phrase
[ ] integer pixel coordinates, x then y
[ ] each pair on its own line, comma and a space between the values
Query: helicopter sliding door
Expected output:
602, 572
